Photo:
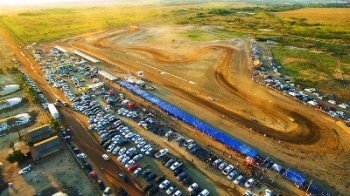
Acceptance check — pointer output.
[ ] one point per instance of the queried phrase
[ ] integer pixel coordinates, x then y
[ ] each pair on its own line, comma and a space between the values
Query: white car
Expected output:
130, 150
145, 148
148, 151
227, 169
268, 192
115, 150
177, 193
121, 110
161, 153
122, 151
175, 166
192, 187
121, 157
249, 183
137, 157
25, 170
129, 135
82, 156
105, 157
106, 191
125, 132
164, 184
129, 163
137, 172
136, 137
248, 193
222, 165
204, 192
139, 140
332, 102
238, 180
141, 144
171, 190
232, 174
110, 147
125, 159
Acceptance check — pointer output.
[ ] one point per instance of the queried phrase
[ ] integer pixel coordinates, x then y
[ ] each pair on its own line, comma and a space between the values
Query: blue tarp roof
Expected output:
296, 177
313, 190
192, 120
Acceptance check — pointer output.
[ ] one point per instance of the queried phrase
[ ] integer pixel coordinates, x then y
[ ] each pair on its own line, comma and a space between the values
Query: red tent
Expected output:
130, 105
112, 92
250, 161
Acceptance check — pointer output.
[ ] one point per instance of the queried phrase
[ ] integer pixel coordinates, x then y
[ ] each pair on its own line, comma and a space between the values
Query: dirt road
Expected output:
81, 137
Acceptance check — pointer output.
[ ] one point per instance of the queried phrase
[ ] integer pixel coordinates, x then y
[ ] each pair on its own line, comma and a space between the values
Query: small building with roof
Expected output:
45, 147
39, 133
107, 75
61, 49
87, 57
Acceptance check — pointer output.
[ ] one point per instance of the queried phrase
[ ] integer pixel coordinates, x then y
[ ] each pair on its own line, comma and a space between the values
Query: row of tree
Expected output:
28, 89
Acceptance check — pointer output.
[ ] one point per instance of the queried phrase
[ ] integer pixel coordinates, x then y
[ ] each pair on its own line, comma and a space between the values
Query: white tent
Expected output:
139, 82
107, 75
95, 86
276, 167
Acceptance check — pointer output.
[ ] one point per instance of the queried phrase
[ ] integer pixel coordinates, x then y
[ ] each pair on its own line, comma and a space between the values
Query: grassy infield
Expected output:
307, 68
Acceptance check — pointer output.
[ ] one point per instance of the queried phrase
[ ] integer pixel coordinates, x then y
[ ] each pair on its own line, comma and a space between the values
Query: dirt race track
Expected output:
188, 72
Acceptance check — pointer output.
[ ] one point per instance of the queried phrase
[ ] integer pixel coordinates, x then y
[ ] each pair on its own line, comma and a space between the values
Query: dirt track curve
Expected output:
306, 132
311, 134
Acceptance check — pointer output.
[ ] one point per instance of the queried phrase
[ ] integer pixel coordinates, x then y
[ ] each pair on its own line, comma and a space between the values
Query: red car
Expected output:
133, 167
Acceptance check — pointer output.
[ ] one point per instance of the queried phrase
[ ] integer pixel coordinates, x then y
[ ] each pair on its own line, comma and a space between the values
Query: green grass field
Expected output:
51, 24
206, 35
312, 69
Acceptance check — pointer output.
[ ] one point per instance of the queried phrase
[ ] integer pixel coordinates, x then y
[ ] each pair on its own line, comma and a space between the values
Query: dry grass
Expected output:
329, 16
293, 59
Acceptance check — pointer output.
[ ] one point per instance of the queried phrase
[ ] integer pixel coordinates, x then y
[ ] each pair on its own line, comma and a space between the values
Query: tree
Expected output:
12, 145
15, 157
54, 123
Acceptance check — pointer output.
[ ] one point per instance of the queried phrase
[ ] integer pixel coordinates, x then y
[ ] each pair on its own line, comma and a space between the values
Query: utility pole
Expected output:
308, 187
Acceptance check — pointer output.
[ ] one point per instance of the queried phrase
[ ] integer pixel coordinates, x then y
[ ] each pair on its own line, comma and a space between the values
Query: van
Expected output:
106, 191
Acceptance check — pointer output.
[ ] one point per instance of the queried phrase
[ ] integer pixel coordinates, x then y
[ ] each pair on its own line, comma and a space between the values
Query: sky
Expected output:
27, 2
41, 2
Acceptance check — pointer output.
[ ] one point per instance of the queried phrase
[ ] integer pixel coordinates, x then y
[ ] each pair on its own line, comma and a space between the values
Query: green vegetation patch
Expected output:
312, 69
319, 62
53, 24
206, 35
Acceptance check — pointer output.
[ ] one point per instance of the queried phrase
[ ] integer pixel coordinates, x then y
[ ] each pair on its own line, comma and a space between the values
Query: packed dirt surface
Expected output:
186, 73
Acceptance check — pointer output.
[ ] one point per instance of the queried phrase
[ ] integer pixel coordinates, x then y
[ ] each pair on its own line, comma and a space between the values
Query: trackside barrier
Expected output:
192, 120
292, 175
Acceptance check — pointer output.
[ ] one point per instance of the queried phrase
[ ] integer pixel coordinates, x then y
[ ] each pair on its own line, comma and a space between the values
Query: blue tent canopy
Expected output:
297, 178
192, 120
313, 190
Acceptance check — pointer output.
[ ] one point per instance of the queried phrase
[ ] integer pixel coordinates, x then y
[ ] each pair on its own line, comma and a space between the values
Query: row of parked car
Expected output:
114, 136
227, 169
175, 166
44, 101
